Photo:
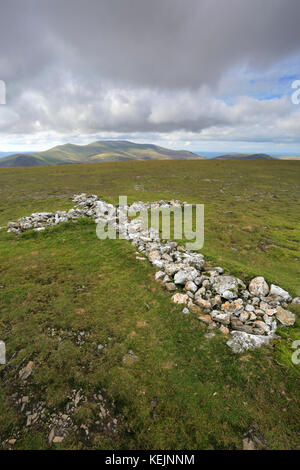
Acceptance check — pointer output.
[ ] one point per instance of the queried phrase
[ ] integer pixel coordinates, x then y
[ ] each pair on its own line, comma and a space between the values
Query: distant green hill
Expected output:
245, 156
99, 151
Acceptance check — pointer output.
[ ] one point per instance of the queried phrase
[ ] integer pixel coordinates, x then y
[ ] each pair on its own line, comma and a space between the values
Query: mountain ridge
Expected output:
245, 156
95, 152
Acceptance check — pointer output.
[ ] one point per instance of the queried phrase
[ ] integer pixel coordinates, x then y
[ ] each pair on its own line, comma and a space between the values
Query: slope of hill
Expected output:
99, 151
287, 157
245, 156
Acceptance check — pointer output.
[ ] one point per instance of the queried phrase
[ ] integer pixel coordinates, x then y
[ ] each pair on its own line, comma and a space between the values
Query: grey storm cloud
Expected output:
74, 66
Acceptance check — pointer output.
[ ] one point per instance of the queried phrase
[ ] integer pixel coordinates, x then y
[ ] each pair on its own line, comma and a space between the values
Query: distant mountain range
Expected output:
115, 151
246, 156
100, 151
254, 156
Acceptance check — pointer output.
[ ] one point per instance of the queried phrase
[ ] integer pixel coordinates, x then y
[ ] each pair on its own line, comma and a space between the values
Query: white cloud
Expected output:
216, 71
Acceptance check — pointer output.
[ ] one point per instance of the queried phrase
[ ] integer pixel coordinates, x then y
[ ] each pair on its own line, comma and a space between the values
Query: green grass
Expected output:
185, 391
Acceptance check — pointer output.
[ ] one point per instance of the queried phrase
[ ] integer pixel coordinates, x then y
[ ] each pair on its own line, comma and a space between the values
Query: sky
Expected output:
200, 75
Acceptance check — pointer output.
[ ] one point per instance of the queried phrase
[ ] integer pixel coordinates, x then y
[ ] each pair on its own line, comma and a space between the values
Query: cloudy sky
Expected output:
206, 75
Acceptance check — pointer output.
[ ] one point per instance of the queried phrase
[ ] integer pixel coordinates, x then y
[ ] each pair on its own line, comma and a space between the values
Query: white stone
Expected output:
184, 275
159, 275
191, 286
227, 286
223, 318
258, 287
276, 290
249, 308
180, 298
242, 341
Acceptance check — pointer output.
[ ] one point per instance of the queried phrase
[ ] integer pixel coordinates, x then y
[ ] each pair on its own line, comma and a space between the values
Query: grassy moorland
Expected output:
184, 391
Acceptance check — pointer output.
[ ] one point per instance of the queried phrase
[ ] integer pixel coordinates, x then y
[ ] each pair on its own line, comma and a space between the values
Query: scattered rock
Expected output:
254, 441
130, 358
210, 335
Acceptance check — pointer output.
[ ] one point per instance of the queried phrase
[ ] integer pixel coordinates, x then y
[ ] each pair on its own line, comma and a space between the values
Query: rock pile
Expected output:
251, 312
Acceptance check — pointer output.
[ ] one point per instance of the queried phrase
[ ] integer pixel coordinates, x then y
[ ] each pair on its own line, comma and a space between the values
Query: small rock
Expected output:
216, 301
51, 435
277, 291
200, 292
227, 286
154, 256
180, 298
205, 319
262, 325
203, 304
159, 275
258, 287
184, 275
244, 316
210, 335
285, 317
220, 317
224, 330
270, 311
57, 439
130, 358
244, 328
170, 286
25, 373
255, 300
191, 286
254, 441
194, 308
249, 308
267, 320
